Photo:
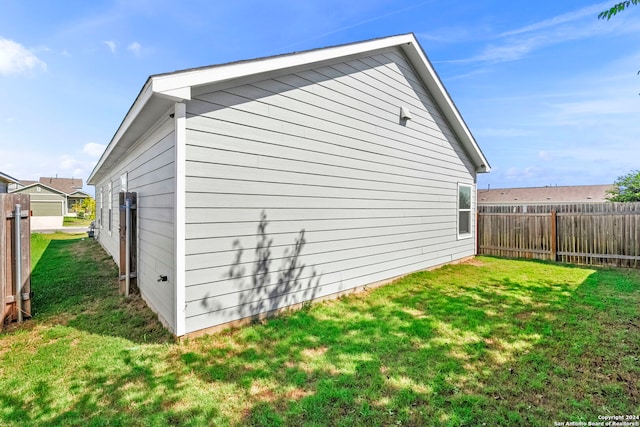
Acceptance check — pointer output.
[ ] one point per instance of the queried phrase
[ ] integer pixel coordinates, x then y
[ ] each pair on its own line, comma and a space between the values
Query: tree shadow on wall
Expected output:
269, 283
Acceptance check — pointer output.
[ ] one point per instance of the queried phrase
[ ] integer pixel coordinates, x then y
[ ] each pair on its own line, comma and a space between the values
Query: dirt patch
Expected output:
474, 262
314, 352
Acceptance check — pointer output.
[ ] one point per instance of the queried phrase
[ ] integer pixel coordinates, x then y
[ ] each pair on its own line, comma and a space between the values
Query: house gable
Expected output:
161, 91
38, 188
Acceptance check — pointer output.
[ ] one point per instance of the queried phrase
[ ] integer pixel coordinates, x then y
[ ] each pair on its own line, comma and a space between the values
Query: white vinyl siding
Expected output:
149, 167
350, 195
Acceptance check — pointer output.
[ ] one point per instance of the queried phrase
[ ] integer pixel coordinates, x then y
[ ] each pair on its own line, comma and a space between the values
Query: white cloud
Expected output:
524, 174
23, 163
93, 149
576, 25
16, 59
450, 34
589, 11
135, 47
497, 132
544, 155
111, 45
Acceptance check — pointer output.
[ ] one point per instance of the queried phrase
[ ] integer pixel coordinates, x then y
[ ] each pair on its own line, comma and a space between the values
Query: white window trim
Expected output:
110, 209
468, 235
101, 208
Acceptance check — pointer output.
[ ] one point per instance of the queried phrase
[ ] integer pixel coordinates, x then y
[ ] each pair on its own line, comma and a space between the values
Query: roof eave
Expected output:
430, 77
123, 139
178, 86
171, 82
8, 178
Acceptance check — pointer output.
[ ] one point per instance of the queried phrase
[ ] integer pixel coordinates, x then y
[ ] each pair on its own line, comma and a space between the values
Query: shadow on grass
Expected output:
463, 345
76, 283
129, 392
497, 342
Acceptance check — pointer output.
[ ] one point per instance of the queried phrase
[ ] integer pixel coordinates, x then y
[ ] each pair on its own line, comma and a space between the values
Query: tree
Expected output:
86, 209
626, 188
89, 206
619, 7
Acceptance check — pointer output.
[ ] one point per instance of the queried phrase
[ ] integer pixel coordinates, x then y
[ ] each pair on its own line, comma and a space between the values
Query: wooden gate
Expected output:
8, 263
131, 198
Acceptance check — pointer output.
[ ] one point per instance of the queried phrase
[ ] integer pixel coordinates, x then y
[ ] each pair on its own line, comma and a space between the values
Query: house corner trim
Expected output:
180, 122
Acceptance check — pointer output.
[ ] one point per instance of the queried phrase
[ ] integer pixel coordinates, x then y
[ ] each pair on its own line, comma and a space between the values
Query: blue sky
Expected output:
549, 91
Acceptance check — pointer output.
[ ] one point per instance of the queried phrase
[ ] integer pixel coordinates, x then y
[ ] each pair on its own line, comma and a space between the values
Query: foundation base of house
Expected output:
270, 314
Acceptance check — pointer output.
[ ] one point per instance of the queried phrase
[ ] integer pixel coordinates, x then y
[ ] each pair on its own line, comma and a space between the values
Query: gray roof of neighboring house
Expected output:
555, 194
66, 185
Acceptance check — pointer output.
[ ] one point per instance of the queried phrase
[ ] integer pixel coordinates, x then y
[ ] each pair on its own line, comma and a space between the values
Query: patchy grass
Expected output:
493, 342
72, 221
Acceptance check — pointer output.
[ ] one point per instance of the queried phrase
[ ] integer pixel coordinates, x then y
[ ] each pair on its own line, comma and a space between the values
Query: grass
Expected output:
490, 342
72, 221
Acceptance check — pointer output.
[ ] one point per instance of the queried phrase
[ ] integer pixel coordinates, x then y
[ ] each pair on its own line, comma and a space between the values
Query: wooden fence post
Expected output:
9, 305
554, 235
477, 232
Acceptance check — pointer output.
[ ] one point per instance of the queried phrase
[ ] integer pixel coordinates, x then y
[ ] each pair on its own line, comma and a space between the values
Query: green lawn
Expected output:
72, 221
490, 342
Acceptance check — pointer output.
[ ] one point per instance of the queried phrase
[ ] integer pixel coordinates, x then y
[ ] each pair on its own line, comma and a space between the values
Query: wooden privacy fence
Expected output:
584, 233
15, 272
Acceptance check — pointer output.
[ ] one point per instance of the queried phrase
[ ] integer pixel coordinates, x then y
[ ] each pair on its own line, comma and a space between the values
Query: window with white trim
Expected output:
110, 201
464, 211
101, 206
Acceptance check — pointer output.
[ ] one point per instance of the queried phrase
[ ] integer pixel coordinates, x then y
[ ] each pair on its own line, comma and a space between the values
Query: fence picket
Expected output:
581, 233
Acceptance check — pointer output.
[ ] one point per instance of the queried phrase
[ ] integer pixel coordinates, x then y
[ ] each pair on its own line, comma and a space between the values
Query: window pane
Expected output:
464, 193
464, 222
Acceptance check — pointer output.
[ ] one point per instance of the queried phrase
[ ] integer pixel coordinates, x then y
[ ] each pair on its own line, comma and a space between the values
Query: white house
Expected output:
262, 184
5, 181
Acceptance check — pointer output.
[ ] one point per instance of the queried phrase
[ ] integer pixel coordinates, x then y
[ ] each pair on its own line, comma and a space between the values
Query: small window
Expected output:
38, 189
110, 202
464, 211
101, 206
124, 182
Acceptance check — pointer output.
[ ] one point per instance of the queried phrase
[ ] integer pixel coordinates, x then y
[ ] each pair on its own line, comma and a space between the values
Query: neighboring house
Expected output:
51, 200
76, 198
20, 184
266, 183
544, 195
72, 187
5, 182
48, 206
